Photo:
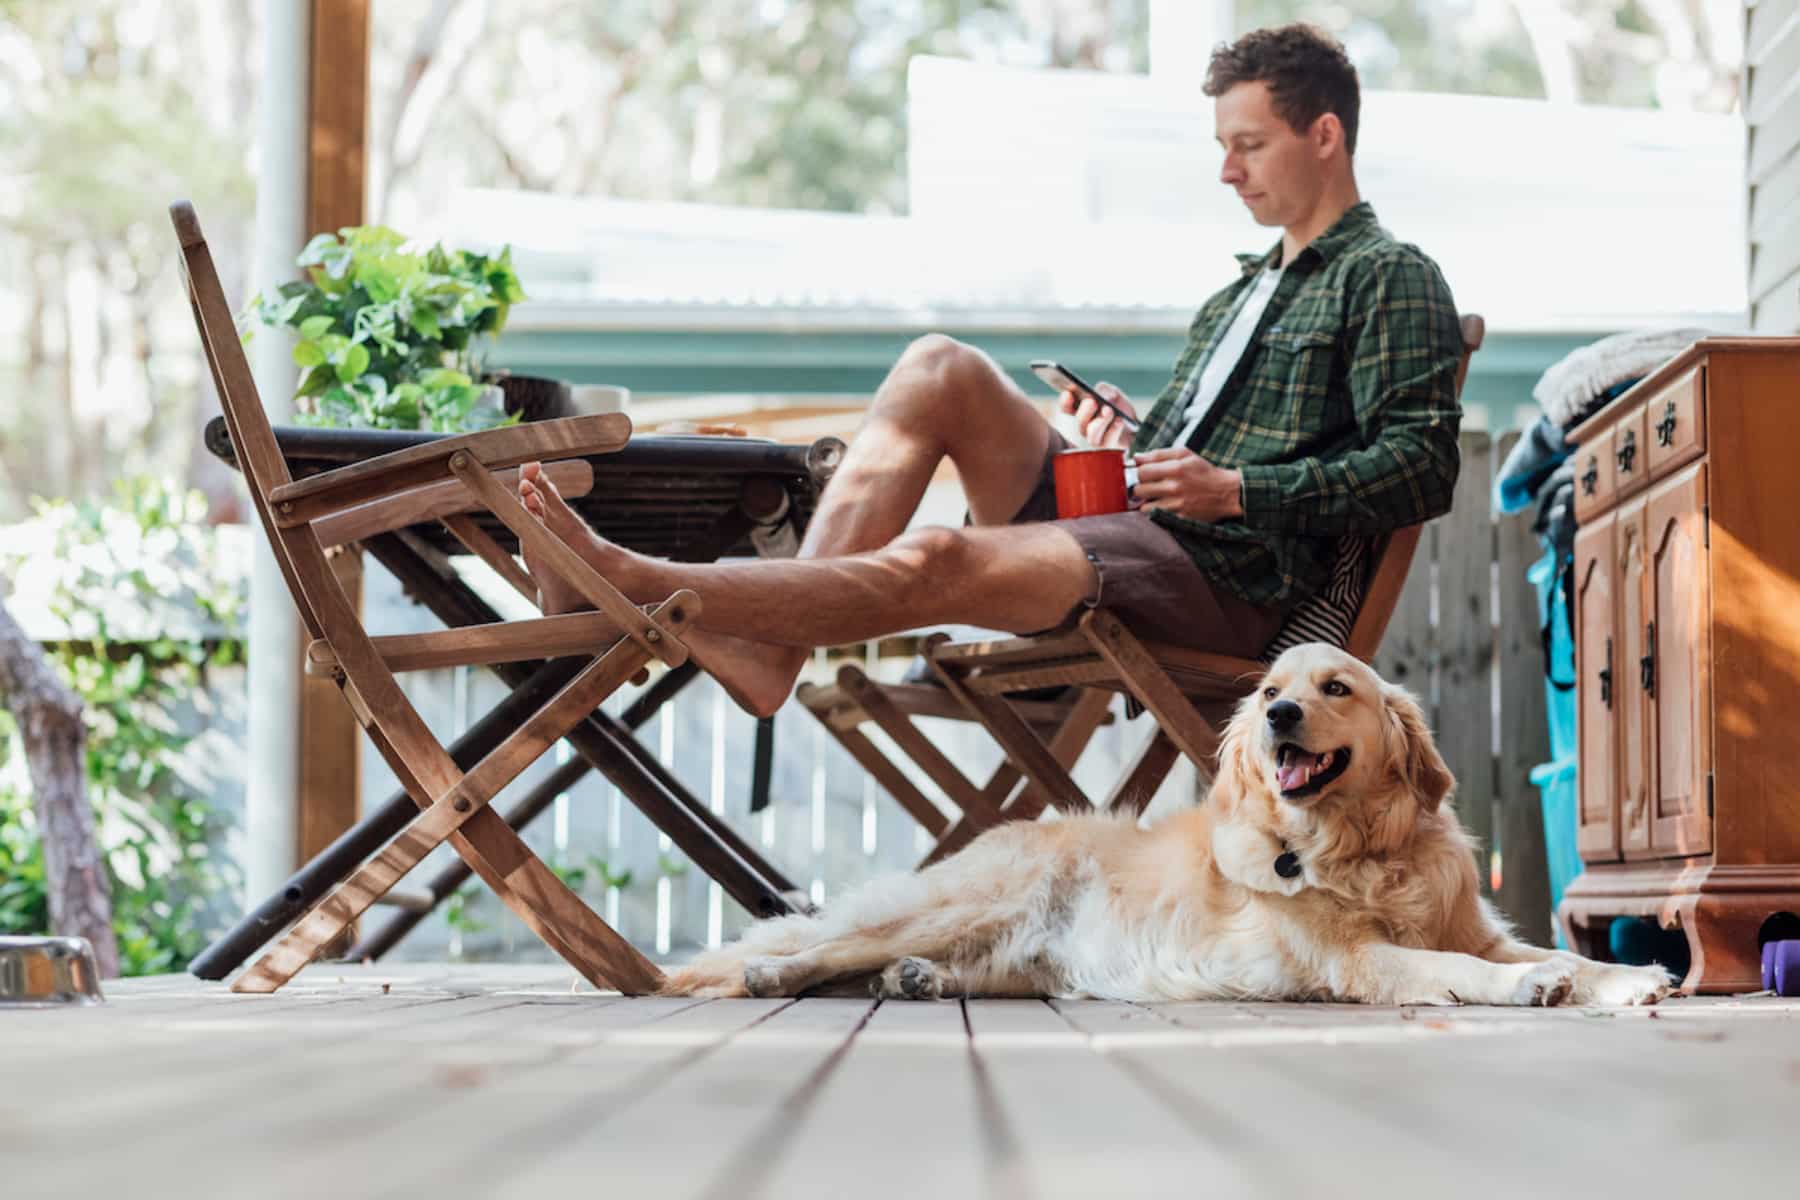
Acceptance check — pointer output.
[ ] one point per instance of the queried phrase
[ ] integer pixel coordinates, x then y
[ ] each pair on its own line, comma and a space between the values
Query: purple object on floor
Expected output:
1768, 966
1783, 958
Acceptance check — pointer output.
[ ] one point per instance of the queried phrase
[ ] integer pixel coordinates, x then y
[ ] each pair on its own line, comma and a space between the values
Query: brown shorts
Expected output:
1148, 579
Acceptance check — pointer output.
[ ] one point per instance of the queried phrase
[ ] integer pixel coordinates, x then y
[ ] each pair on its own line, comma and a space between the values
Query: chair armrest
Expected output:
308, 499
434, 501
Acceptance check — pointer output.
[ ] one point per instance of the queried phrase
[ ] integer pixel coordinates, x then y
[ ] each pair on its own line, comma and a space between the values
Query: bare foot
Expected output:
757, 676
543, 501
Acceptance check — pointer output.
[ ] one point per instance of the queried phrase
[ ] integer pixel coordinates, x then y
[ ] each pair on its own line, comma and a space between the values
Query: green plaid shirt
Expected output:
1342, 413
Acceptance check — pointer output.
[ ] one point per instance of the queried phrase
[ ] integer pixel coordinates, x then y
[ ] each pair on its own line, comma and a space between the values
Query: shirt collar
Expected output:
1357, 220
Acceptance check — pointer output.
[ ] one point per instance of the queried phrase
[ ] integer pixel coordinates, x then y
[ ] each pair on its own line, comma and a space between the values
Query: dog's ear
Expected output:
1236, 770
1414, 750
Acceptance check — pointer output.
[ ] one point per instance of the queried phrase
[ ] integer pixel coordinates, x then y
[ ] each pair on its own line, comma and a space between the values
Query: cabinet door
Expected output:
1596, 825
1680, 668
1632, 632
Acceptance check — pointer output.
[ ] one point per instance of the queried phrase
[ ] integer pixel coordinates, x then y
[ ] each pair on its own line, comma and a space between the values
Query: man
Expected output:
1315, 399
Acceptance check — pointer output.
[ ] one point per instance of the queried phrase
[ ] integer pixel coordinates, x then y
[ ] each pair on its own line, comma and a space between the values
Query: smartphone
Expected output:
1065, 380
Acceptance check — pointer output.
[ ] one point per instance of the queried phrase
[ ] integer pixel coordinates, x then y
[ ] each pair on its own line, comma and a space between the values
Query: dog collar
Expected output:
1287, 863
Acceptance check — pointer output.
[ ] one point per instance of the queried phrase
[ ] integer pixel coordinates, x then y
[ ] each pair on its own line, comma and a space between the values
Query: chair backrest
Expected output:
252, 438
1393, 554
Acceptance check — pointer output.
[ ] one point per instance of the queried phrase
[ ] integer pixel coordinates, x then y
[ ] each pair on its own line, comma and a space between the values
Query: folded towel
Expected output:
1528, 464
1569, 390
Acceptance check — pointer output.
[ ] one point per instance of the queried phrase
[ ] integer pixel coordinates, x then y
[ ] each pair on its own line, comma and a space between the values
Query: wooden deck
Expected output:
510, 1082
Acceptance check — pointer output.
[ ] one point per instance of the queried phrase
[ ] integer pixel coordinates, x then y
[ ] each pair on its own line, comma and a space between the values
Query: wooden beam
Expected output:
337, 115
336, 143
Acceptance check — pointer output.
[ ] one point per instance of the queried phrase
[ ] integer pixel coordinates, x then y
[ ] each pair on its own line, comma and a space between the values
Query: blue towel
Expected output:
1538, 452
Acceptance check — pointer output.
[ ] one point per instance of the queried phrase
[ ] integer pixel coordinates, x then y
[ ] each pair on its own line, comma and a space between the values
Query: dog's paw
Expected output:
762, 977
910, 979
1544, 984
1618, 984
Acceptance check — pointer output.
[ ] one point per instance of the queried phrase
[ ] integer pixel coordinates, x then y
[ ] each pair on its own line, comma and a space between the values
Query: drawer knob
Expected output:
1606, 677
1665, 428
1647, 664
1628, 452
1590, 478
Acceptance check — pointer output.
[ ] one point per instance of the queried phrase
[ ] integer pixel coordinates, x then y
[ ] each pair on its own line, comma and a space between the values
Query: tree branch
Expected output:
49, 718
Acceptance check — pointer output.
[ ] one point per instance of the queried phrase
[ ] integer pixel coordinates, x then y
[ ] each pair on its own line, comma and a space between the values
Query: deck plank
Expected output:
900, 1109
502, 1081
710, 1120
1061, 1098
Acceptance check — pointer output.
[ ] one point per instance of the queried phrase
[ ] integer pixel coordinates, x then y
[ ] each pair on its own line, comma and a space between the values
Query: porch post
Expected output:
273, 774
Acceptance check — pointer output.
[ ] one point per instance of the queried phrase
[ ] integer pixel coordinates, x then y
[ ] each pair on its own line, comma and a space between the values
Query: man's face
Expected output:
1279, 174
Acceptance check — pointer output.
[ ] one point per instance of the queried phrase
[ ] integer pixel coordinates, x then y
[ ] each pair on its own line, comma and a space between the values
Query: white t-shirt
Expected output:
1218, 366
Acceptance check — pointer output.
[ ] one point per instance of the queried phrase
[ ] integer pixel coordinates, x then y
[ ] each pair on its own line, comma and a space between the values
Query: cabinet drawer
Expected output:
1675, 422
1594, 479
1629, 460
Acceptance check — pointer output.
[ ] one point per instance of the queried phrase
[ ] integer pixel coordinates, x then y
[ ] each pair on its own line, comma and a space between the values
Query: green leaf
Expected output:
425, 321
308, 354
315, 250
444, 377
313, 326
353, 364
316, 381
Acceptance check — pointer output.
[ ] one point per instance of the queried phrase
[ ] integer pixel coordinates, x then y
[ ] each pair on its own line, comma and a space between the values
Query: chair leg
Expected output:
1173, 712
519, 876
897, 725
1066, 746
1138, 786
1020, 742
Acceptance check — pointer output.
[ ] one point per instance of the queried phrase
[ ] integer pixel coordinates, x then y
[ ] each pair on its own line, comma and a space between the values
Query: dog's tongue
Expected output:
1298, 769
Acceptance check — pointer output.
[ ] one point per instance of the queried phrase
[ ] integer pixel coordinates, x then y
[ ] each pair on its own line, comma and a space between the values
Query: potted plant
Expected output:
391, 336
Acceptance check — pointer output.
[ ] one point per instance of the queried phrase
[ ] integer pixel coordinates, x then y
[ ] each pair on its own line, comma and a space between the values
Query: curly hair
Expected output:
1306, 70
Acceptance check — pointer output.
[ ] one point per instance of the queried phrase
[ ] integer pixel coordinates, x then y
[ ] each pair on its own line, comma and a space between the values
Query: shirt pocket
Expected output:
1299, 363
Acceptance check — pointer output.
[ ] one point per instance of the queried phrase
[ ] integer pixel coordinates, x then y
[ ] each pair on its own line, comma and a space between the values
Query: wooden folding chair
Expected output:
842, 708
454, 806
1190, 694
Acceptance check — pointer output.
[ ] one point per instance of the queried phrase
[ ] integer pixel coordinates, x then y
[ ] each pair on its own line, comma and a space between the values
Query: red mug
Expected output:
1090, 482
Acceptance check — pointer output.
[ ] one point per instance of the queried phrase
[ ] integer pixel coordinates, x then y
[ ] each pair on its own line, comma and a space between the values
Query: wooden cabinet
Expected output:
1677, 681
1596, 829
1687, 650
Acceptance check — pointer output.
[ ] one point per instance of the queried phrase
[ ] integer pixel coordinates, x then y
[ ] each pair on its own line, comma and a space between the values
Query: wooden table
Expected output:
688, 498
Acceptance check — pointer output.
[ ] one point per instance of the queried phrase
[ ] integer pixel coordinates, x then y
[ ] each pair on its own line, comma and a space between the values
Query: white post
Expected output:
271, 804
1182, 35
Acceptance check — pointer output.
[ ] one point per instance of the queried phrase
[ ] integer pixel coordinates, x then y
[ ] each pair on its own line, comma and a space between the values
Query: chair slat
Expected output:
308, 499
432, 501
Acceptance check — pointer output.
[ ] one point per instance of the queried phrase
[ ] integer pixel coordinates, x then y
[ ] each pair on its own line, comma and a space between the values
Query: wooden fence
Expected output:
1465, 638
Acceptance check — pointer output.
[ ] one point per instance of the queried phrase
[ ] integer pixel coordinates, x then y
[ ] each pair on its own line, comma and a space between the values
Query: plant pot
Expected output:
534, 397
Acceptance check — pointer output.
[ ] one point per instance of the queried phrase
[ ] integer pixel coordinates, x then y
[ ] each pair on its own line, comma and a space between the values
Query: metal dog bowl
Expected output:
48, 970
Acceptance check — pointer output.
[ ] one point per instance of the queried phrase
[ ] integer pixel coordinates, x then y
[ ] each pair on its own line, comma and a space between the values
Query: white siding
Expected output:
1772, 110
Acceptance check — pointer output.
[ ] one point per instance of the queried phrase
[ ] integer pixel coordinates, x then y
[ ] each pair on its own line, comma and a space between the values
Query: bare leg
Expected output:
1021, 577
942, 399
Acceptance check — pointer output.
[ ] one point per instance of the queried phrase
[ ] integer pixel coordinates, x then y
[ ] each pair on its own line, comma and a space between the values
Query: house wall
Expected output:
1772, 176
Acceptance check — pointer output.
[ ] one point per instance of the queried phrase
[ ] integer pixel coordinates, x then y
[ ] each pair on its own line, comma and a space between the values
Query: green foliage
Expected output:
390, 334
147, 550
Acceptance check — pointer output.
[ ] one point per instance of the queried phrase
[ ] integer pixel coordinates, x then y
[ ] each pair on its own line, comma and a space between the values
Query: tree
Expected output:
1675, 54
108, 110
49, 719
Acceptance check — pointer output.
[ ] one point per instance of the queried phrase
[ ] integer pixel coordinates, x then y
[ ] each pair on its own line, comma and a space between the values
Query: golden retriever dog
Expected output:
1327, 863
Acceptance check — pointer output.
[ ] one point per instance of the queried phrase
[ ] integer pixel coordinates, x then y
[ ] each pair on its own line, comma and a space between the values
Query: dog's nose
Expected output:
1284, 715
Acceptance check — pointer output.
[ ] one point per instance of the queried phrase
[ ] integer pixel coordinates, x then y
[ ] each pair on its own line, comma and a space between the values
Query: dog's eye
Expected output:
1334, 688
1270, 693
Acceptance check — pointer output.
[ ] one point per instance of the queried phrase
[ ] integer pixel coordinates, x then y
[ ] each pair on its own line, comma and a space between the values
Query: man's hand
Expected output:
1097, 423
1181, 482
